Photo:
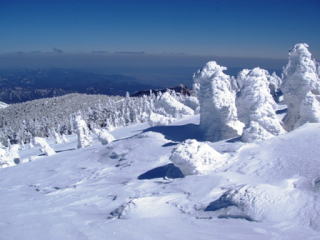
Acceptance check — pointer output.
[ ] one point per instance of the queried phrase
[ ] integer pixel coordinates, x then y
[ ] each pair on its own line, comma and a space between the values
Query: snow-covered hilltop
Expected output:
3, 105
229, 162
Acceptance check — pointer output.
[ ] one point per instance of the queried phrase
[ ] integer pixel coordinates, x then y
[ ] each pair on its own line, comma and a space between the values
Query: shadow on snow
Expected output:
178, 133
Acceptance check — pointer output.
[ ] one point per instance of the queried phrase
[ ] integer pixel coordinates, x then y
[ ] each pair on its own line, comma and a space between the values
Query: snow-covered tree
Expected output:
300, 82
193, 157
83, 133
274, 85
64, 138
309, 109
216, 93
104, 136
24, 121
44, 147
10, 156
256, 106
169, 106
156, 119
3, 157
57, 137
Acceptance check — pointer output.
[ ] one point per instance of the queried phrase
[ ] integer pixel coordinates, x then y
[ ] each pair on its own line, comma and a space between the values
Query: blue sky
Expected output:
239, 28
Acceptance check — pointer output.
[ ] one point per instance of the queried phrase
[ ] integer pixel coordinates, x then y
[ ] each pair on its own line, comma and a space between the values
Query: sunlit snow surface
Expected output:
268, 190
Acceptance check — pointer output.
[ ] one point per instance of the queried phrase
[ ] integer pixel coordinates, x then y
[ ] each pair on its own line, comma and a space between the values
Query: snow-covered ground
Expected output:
265, 190
3, 105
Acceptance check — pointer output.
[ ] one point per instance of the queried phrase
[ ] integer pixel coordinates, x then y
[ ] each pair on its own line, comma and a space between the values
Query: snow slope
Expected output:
129, 189
3, 105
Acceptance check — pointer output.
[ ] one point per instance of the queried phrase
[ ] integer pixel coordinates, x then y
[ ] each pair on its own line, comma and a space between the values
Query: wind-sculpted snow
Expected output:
265, 202
193, 157
256, 106
265, 190
218, 113
300, 79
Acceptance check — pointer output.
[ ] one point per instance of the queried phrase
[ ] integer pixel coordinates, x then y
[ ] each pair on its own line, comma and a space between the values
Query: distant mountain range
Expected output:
23, 85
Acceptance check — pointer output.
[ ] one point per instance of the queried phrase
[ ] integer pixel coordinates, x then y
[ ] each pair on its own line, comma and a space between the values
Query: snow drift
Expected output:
193, 157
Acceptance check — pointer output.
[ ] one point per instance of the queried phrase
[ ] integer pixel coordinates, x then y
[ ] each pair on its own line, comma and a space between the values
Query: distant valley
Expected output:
24, 85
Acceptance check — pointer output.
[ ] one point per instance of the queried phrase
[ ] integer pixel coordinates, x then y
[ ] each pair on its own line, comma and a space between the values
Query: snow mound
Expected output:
255, 132
284, 157
268, 202
193, 157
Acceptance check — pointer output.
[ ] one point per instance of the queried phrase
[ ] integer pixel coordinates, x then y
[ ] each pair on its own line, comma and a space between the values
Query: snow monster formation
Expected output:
83, 133
256, 106
43, 145
301, 88
216, 94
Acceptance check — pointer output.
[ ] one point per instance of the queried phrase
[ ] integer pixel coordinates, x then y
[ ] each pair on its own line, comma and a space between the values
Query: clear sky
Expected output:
240, 28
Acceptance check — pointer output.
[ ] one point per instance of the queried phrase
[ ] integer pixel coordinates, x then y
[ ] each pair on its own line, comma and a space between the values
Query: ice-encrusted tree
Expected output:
300, 81
167, 108
168, 105
216, 93
10, 156
43, 145
274, 85
256, 106
57, 137
309, 109
104, 136
24, 121
83, 133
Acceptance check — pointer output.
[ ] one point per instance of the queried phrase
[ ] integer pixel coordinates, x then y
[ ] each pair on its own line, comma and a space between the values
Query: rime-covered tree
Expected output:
83, 132
43, 146
10, 156
309, 109
21, 122
300, 81
104, 136
274, 85
216, 93
256, 106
